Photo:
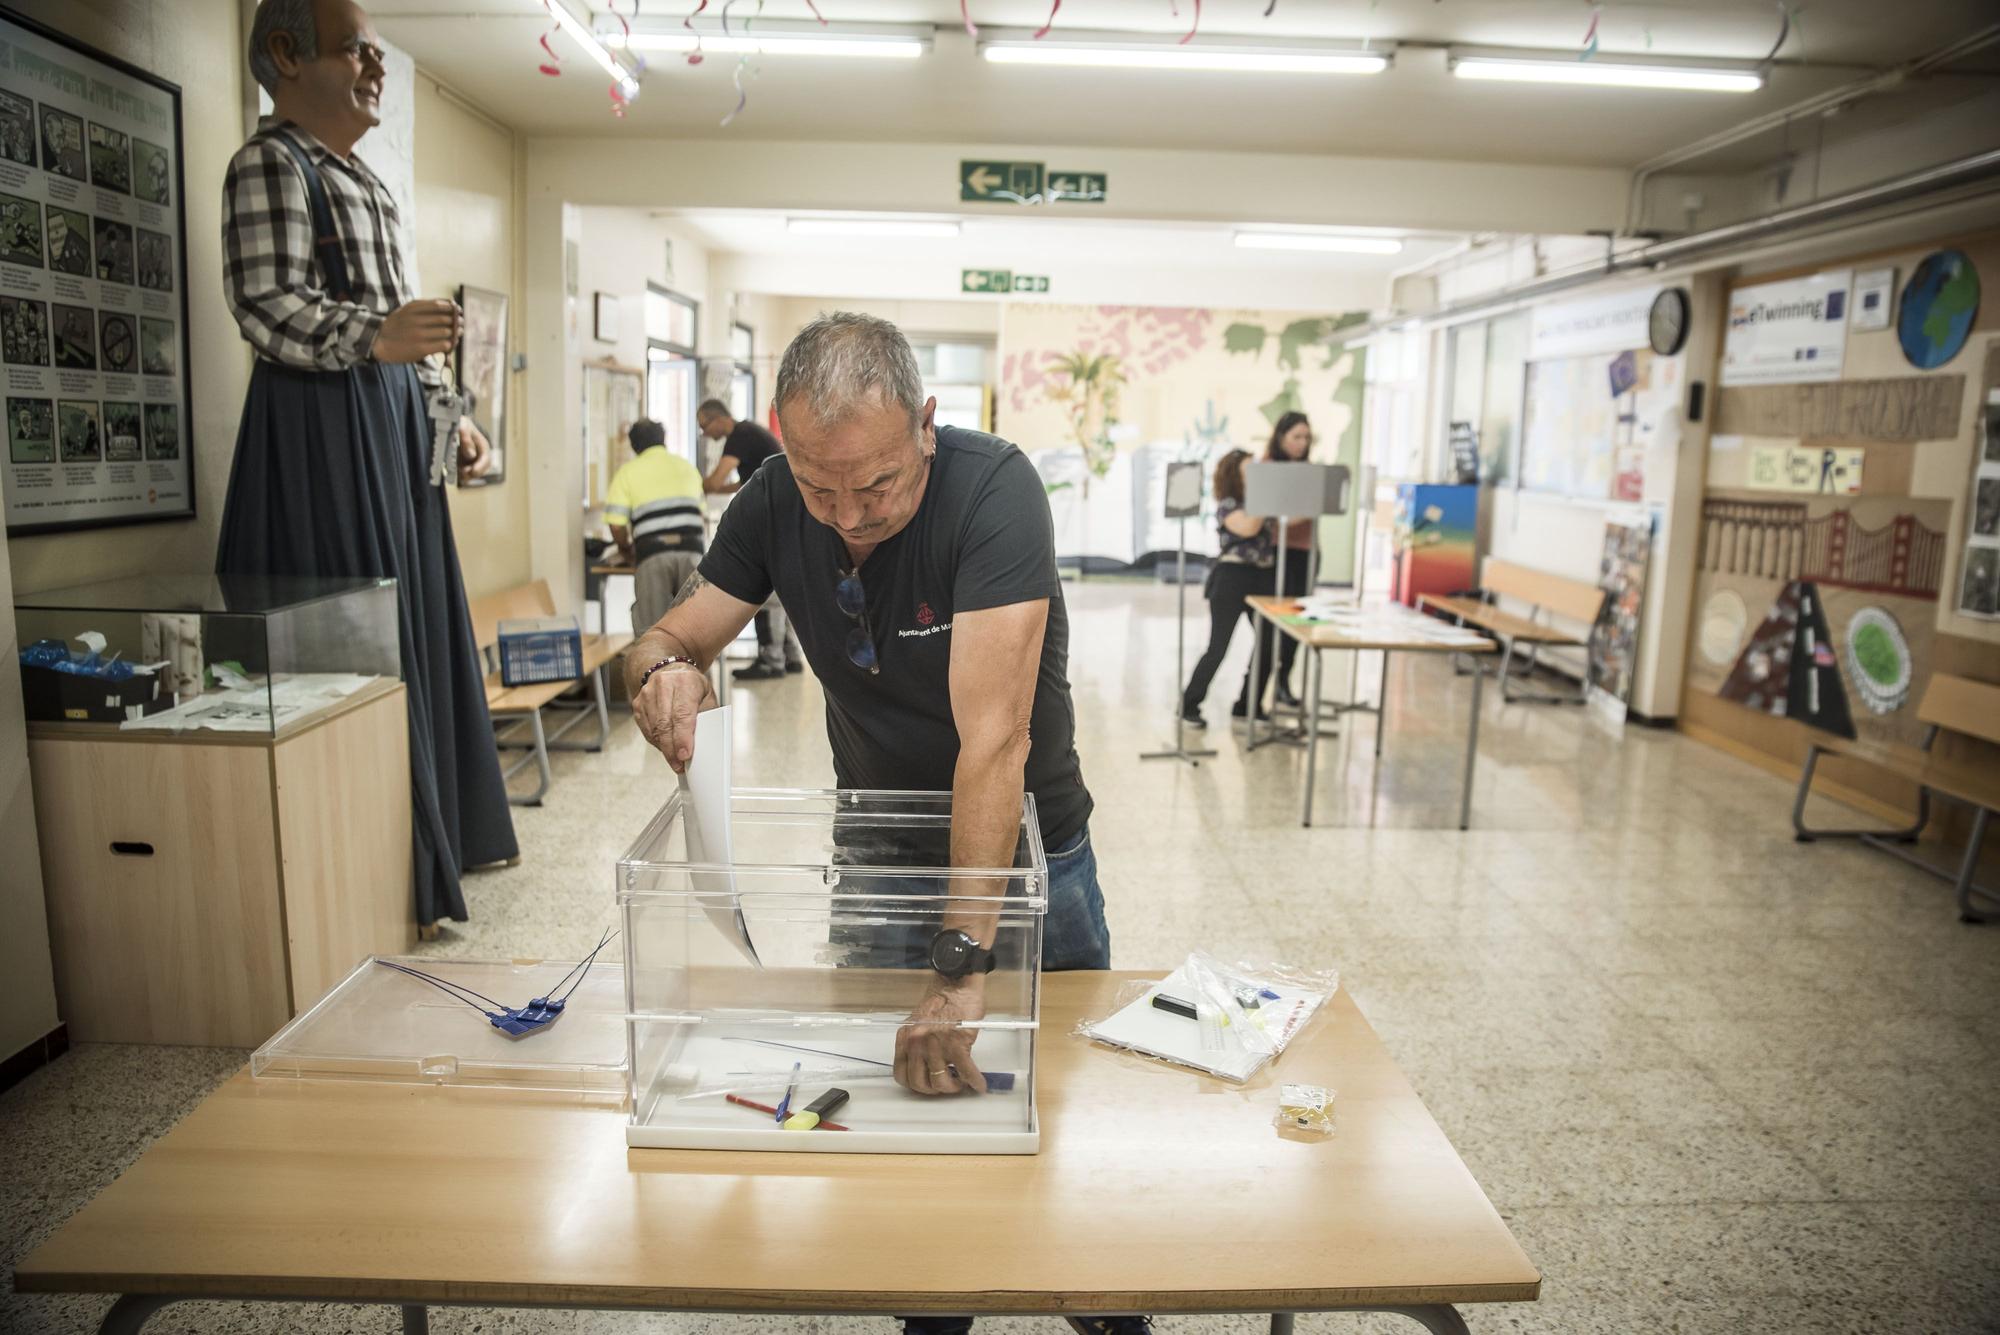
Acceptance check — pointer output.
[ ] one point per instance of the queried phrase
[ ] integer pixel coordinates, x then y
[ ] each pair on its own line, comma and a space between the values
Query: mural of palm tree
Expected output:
1087, 385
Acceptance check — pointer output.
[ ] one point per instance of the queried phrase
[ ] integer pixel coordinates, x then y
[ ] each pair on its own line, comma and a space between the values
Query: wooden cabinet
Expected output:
204, 887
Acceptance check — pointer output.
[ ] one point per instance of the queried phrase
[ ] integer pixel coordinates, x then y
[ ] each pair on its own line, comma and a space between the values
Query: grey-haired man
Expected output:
917, 564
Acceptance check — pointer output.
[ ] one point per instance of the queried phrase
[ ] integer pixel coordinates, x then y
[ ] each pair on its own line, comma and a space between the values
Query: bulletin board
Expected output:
612, 399
1586, 423
93, 288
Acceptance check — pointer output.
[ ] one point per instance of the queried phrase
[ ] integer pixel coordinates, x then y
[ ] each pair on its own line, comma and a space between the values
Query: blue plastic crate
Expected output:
540, 649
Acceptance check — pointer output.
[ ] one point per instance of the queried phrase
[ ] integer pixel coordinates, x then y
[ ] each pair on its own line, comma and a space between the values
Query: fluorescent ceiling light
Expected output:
853, 40
1322, 241
1606, 74
580, 33
905, 227
1289, 59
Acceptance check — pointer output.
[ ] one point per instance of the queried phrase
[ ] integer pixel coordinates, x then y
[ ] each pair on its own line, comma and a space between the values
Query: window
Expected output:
956, 372
671, 321
743, 373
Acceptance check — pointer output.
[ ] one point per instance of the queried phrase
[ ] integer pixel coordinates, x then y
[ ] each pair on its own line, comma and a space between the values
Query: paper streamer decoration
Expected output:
1784, 32
742, 61
553, 65
816, 14
1590, 33
1268, 8
695, 57
1043, 31
965, 12
742, 98
1197, 24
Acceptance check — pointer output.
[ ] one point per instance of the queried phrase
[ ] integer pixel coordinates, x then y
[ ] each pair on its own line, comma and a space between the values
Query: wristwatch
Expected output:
955, 954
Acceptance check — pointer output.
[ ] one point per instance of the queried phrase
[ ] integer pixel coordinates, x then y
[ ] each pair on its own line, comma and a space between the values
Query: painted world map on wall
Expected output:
1105, 396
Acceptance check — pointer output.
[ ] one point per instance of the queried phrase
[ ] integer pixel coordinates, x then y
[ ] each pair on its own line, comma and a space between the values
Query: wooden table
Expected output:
1156, 1190
1391, 629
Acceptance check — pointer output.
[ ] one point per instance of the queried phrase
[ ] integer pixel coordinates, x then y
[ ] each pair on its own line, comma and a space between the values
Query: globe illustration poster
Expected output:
1940, 303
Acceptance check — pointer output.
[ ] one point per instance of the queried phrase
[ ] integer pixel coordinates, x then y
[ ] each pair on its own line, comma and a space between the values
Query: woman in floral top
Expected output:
1245, 567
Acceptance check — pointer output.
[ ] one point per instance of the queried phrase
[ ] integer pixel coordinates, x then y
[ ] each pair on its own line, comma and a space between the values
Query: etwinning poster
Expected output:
1790, 332
93, 288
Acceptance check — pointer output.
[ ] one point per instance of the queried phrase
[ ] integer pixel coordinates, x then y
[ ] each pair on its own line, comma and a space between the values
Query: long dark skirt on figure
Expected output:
331, 479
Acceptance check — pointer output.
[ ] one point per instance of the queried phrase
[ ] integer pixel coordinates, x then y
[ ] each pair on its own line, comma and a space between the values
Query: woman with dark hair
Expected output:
1243, 569
1291, 443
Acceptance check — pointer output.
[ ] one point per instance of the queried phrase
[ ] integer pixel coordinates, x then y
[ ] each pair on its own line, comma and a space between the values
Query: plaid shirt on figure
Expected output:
276, 291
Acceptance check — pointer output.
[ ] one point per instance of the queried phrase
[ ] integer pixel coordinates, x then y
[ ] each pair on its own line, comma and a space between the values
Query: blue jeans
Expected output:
1073, 932
1074, 936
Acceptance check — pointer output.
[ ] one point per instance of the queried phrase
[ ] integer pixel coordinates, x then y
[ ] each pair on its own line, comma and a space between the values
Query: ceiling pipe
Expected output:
1818, 104
1974, 170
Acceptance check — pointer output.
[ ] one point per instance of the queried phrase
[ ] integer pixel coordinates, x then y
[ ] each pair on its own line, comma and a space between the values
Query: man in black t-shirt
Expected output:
918, 564
745, 447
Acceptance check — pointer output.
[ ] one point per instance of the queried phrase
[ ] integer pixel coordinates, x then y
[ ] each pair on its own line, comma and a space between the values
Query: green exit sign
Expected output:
985, 280
987, 182
1077, 187
1031, 282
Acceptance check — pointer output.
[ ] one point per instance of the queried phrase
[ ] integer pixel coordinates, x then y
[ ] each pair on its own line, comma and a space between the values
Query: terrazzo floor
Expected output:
1714, 1080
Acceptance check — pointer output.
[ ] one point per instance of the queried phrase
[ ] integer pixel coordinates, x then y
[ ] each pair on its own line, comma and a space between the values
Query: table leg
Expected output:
1437, 1318
1315, 673
1382, 704
131, 1312
1250, 691
1471, 742
416, 1319
1282, 1323
1965, 889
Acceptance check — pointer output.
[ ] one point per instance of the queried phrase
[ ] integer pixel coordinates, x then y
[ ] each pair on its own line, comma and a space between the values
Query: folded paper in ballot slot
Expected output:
706, 787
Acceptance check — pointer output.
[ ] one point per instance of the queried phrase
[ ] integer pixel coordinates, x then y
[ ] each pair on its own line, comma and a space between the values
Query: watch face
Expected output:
951, 952
1667, 327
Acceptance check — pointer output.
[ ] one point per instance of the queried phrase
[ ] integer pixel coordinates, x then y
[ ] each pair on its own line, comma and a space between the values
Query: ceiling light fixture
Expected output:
898, 227
596, 49
1607, 74
1167, 53
1335, 242
853, 40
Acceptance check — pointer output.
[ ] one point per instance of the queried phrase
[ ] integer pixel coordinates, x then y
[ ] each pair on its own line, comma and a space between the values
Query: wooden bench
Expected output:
514, 707
1545, 595
1950, 704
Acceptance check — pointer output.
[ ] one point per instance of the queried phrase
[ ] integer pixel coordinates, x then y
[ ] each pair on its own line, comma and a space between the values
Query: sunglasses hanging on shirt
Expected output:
853, 600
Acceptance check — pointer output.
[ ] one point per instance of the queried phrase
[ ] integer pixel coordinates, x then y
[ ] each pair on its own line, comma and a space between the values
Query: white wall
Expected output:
1078, 281
1147, 183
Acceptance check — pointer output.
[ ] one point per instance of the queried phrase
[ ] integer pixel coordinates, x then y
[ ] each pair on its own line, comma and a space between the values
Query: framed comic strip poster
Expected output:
93, 288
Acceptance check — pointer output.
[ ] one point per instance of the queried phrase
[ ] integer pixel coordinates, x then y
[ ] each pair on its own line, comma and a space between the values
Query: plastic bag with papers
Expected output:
1224, 1019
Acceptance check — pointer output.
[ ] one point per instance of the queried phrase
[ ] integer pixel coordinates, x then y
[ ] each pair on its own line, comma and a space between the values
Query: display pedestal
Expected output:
203, 887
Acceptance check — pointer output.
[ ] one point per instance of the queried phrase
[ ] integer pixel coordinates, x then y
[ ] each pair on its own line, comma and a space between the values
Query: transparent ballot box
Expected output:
385, 1026
781, 946
205, 653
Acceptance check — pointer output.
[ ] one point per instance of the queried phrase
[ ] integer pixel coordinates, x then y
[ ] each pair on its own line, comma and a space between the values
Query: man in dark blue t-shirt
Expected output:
918, 566
745, 447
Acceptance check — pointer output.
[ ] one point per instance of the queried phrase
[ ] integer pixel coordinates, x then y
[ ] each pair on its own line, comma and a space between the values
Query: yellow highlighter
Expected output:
815, 1112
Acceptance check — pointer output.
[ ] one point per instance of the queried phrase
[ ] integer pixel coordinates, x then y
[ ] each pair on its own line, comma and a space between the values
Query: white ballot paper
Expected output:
706, 787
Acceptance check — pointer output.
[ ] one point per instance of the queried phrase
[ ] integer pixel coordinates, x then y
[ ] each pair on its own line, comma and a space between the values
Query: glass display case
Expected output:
220, 653
779, 951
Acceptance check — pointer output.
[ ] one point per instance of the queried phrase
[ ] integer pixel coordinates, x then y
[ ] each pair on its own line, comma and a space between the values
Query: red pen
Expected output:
766, 1108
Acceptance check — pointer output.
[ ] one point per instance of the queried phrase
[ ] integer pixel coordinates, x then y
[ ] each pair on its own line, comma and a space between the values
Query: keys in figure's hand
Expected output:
416, 329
